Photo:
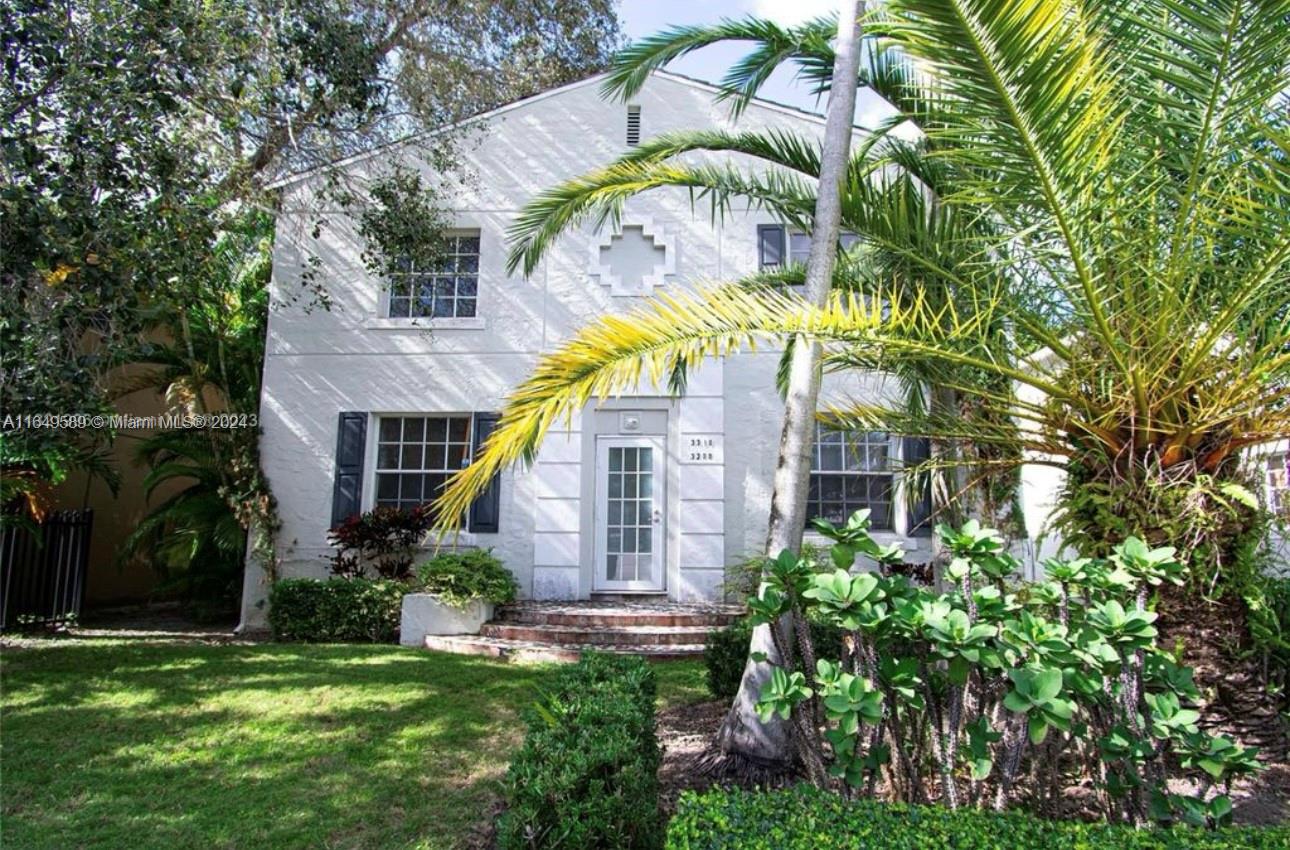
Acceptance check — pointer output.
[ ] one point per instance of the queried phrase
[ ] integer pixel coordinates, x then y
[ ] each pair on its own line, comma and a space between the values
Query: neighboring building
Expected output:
380, 399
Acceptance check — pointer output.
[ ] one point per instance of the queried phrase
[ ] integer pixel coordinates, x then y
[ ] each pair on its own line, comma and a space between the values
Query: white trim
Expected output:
658, 274
423, 323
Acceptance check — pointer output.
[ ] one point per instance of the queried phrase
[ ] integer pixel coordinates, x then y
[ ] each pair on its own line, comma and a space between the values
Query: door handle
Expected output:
658, 516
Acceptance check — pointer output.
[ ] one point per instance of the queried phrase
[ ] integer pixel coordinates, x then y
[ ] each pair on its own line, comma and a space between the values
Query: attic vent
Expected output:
633, 125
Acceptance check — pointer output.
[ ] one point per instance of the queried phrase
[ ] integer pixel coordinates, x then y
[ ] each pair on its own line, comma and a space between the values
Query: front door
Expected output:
629, 514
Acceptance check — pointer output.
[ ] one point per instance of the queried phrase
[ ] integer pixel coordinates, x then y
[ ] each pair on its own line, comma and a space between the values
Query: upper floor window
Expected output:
448, 290
778, 246
415, 456
851, 470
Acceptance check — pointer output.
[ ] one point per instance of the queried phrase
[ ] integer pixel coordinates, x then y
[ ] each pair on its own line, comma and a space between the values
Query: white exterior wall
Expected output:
349, 358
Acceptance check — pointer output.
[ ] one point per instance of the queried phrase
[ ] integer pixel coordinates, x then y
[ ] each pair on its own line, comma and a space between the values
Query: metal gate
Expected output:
42, 577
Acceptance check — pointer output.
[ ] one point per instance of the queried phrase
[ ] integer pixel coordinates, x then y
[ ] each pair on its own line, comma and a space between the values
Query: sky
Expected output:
646, 17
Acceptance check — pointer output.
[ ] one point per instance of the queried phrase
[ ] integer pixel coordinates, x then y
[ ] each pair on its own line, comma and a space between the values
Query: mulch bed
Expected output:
686, 734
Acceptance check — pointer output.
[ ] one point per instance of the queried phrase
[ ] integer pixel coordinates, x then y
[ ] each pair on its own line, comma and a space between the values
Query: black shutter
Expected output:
770, 246
485, 511
351, 446
918, 498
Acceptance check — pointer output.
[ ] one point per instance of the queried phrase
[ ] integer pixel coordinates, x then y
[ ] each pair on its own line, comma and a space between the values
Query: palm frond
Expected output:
773, 45
600, 196
671, 333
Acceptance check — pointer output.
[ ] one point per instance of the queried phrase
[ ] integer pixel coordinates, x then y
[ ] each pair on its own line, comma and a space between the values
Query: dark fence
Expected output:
42, 577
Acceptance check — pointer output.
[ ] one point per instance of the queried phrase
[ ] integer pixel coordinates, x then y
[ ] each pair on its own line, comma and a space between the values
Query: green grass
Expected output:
112, 744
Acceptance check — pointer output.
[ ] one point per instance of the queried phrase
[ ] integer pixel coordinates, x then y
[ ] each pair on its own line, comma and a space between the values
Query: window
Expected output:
851, 470
450, 290
777, 246
415, 455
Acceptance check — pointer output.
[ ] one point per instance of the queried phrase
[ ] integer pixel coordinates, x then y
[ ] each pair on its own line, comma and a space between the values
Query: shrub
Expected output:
336, 610
586, 775
996, 686
804, 818
384, 539
459, 577
726, 652
724, 655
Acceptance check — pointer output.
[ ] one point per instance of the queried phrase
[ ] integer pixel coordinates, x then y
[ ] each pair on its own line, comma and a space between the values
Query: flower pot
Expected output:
425, 614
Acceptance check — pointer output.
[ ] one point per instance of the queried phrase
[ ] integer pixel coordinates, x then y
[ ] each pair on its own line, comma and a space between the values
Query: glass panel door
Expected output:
629, 532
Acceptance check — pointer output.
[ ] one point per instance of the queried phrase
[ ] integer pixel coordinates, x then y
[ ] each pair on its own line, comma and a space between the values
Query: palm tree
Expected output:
742, 730
211, 362
1096, 213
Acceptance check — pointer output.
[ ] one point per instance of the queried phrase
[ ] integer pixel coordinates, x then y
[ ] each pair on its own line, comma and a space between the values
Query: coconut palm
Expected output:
1095, 214
743, 729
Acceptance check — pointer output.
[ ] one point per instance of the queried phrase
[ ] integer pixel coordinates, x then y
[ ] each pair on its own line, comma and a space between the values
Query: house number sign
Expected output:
703, 449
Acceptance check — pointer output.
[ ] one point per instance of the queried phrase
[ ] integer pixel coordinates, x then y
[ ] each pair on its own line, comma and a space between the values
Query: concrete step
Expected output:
588, 615
595, 635
533, 652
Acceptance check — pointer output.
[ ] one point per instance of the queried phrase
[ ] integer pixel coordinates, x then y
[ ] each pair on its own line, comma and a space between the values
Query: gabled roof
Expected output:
289, 179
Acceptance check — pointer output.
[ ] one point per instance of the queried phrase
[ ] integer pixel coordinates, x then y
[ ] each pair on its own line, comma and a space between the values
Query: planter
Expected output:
424, 614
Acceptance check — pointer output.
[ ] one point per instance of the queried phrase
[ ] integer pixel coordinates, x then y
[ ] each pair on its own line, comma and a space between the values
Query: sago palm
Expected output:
1095, 211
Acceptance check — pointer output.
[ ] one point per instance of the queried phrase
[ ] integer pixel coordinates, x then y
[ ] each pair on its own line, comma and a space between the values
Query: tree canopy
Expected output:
135, 133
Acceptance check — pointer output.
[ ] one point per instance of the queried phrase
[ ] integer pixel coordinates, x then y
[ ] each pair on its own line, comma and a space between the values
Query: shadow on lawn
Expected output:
253, 745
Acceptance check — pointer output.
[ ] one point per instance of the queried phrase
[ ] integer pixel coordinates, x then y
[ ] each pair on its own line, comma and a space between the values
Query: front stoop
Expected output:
562, 631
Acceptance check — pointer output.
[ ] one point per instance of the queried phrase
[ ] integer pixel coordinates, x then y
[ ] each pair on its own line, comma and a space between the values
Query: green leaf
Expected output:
1048, 684
1016, 702
1220, 809
1038, 727
959, 669
1240, 494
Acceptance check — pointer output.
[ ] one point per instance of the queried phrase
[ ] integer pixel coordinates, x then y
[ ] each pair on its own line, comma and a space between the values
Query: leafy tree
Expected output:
1095, 211
133, 131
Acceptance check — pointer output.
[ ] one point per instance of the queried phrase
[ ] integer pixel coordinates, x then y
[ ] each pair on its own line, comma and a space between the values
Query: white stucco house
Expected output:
377, 400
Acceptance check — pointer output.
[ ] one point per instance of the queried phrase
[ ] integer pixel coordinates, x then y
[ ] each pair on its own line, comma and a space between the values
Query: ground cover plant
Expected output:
808, 819
110, 744
995, 689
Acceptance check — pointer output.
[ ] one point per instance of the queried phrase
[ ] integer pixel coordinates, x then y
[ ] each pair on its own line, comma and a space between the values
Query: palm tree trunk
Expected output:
742, 734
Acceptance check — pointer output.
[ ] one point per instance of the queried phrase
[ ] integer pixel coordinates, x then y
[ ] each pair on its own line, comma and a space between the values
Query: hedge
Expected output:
586, 774
461, 577
805, 818
336, 610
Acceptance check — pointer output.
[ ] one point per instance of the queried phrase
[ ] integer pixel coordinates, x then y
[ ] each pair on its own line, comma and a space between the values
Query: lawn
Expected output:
115, 744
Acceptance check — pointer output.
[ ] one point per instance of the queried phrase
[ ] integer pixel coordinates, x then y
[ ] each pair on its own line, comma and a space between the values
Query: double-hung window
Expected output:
778, 246
415, 455
449, 289
851, 470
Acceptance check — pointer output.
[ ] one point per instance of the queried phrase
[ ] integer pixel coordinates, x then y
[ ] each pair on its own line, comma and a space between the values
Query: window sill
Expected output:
471, 323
